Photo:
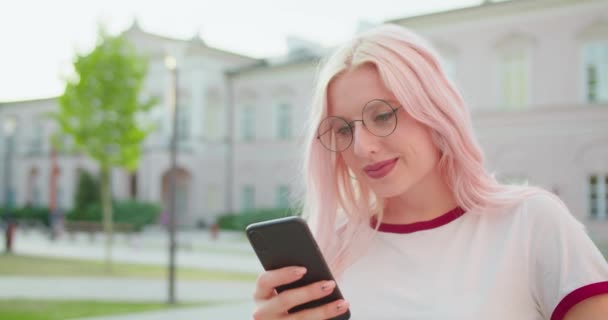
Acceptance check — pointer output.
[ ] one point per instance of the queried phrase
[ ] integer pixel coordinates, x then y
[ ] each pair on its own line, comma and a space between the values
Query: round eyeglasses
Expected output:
378, 116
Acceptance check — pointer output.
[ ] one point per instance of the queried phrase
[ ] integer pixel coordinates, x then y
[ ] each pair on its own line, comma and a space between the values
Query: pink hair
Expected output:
333, 202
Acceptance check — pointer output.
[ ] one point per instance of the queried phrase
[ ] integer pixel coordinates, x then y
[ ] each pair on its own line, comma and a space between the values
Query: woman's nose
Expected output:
364, 142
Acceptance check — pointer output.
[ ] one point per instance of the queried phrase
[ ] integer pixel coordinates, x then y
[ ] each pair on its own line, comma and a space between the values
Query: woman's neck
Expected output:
427, 200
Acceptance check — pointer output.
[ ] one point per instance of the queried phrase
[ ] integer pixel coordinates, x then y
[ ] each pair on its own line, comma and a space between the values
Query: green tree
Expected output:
100, 111
87, 192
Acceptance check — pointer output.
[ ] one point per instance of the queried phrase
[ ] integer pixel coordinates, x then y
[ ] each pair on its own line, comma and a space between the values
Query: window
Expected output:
514, 80
36, 196
59, 196
596, 72
282, 196
598, 196
212, 198
449, 67
36, 138
248, 123
514, 179
448, 56
181, 201
213, 117
248, 198
283, 122
184, 121
33, 188
133, 185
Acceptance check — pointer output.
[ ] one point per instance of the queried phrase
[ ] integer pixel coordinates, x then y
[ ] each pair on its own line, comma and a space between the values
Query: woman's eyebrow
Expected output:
394, 103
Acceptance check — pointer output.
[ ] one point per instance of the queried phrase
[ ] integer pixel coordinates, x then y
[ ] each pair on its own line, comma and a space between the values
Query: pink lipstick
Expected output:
380, 169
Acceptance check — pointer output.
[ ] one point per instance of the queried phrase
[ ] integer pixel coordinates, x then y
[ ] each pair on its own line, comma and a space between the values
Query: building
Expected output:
534, 73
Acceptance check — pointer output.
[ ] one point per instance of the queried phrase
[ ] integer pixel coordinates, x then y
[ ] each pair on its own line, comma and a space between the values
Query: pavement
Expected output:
119, 289
231, 252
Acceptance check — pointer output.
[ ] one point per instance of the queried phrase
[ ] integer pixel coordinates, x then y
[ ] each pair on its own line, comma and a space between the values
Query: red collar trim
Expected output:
419, 226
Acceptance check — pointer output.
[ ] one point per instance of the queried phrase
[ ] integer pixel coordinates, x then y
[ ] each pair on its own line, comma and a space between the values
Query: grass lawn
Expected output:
61, 310
19, 265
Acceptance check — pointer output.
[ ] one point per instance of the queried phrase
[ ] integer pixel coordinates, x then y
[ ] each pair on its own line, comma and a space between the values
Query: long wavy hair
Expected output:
338, 208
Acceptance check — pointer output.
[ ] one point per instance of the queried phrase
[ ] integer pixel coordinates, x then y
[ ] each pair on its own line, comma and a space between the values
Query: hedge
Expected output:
240, 220
136, 213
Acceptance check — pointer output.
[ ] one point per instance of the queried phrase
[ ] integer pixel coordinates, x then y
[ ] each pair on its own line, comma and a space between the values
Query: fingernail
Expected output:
342, 305
328, 285
299, 271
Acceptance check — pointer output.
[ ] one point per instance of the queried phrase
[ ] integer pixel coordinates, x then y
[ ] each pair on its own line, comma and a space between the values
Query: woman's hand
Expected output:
271, 306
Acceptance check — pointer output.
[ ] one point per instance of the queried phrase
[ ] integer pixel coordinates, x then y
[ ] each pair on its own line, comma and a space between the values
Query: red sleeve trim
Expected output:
577, 296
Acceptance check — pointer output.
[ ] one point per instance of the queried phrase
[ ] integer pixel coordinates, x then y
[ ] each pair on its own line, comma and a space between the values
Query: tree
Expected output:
100, 111
87, 191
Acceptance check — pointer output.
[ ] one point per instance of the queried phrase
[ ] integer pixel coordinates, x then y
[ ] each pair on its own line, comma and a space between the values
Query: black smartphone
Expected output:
287, 242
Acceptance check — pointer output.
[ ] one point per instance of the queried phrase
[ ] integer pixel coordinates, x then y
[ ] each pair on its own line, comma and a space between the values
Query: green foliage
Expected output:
100, 108
240, 220
32, 214
87, 192
136, 213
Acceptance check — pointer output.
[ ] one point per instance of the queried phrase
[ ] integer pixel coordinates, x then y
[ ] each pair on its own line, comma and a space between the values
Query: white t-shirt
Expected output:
531, 262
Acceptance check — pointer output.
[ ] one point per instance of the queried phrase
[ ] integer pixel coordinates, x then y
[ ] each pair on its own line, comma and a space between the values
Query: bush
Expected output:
27, 214
87, 192
239, 221
135, 213
38, 214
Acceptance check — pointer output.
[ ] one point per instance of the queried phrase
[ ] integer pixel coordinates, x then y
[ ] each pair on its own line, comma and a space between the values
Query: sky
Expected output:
39, 38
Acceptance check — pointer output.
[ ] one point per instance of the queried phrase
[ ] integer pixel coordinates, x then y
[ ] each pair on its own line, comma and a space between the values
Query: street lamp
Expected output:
9, 126
171, 64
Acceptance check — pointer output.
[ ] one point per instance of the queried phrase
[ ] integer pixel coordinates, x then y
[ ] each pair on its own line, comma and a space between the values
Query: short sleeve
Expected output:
565, 265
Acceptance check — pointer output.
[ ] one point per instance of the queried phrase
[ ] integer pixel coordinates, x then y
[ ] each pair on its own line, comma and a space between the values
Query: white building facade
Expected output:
534, 73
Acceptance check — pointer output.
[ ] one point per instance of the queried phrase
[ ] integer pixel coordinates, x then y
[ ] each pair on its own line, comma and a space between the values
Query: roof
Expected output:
195, 42
15, 102
484, 10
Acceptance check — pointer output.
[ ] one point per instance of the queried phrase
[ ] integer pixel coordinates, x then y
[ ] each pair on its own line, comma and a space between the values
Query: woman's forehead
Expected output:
349, 91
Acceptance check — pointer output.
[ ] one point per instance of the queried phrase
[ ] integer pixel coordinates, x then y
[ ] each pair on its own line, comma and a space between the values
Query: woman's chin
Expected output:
387, 191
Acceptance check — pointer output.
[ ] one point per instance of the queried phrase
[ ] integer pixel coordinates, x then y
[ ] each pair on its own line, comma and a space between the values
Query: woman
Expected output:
411, 224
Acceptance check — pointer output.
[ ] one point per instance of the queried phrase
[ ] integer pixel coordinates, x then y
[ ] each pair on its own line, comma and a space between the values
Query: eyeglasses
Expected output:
378, 116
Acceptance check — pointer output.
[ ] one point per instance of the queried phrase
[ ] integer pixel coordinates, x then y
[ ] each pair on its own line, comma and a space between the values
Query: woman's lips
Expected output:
380, 169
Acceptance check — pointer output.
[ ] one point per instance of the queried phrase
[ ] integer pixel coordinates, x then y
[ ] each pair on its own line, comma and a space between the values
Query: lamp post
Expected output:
9, 125
171, 65
53, 208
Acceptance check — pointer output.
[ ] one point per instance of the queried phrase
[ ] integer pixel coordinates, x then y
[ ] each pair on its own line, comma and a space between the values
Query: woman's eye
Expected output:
384, 117
343, 131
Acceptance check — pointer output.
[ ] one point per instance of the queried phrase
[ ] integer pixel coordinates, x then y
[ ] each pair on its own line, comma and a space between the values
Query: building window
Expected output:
212, 198
283, 122
514, 80
514, 179
36, 138
59, 197
449, 67
248, 123
282, 196
184, 117
133, 185
596, 72
598, 196
213, 118
33, 188
248, 198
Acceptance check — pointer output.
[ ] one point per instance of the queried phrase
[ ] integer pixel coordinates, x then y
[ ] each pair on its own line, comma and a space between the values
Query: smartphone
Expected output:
287, 242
